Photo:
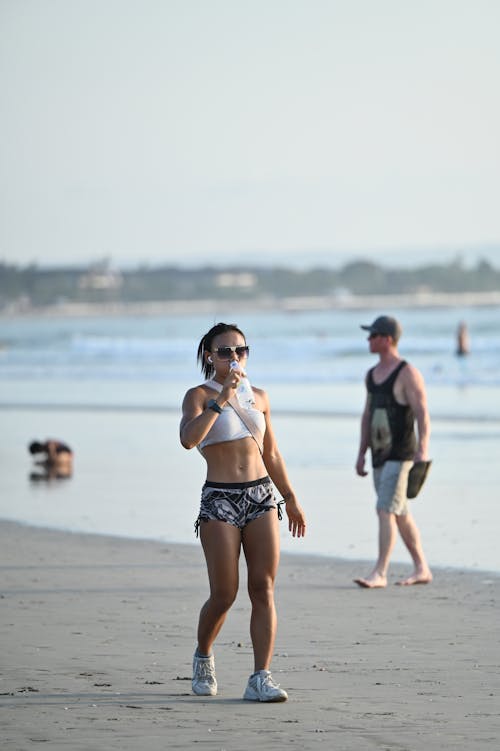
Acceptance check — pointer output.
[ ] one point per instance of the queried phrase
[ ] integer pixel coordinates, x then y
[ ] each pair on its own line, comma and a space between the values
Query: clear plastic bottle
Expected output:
244, 392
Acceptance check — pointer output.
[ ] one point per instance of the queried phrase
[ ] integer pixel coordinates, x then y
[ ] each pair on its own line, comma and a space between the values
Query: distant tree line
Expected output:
33, 286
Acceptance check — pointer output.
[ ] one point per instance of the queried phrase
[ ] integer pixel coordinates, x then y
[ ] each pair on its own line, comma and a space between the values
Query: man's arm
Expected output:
51, 448
416, 397
364, 441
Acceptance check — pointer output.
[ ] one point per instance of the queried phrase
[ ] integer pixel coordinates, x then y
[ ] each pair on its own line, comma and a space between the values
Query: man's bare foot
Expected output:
419, 577
374, 581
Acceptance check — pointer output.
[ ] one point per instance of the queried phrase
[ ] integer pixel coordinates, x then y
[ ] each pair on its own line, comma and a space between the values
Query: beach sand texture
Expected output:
97, 638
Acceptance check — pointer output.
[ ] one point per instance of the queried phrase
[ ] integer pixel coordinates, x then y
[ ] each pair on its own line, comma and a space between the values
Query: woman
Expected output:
238, 508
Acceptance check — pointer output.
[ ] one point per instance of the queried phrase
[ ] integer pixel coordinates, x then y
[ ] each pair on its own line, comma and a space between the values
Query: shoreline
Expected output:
320, 558
98, 636
285, 305
282, 412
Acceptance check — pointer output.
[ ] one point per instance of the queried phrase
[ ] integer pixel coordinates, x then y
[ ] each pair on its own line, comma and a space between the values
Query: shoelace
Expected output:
268, 681
204, 670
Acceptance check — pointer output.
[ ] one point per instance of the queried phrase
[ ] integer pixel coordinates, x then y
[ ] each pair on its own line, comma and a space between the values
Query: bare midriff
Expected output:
234, 461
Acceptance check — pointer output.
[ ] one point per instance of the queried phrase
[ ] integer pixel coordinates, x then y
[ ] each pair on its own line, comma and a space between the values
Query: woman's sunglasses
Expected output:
227, 353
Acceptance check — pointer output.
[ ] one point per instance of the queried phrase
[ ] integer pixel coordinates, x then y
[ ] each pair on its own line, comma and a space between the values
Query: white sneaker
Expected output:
204, 682
261, 687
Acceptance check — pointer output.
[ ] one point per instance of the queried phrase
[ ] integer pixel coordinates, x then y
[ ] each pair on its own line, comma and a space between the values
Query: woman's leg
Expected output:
261, 547
221, 544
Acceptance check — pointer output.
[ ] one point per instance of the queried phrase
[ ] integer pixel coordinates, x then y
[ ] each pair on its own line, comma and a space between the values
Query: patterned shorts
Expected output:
237, 503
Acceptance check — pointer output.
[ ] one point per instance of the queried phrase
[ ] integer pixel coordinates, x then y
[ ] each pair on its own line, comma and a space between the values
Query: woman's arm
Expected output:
197, 417
275, 466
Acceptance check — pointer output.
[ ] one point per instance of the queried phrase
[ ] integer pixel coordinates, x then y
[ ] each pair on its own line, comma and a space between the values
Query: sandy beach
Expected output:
98, 632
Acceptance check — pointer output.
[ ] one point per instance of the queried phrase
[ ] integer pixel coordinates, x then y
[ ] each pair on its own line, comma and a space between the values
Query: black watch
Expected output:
212, 404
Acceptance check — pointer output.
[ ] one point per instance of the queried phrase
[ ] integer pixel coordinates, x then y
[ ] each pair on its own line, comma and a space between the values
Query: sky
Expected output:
249, 132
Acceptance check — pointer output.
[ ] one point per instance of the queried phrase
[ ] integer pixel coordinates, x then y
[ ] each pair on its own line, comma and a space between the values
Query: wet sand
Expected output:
97, 638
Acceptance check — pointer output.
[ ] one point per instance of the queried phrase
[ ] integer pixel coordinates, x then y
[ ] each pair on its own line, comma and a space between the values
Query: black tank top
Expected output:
392, 425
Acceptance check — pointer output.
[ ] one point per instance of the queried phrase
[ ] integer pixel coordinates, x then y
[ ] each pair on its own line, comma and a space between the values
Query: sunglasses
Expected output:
227, 353
374, 336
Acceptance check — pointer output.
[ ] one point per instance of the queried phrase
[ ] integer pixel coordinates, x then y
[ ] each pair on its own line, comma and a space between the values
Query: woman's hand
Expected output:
231, 382
296, 517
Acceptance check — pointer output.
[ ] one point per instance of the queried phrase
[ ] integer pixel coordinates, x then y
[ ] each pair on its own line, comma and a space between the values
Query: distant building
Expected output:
243, 280
101, 277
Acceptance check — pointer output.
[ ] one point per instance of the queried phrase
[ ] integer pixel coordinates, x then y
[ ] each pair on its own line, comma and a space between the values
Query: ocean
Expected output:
112, 387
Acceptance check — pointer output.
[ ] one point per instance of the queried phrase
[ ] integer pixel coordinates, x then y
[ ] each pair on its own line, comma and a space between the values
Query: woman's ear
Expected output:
209, 359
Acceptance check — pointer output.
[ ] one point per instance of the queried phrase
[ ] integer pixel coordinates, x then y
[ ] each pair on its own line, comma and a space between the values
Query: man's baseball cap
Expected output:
386, 326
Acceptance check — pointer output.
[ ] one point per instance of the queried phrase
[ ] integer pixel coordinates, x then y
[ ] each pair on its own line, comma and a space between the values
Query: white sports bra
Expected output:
230, 427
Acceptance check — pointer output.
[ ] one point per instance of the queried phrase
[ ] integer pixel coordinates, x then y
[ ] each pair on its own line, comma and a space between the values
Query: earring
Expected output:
209, 359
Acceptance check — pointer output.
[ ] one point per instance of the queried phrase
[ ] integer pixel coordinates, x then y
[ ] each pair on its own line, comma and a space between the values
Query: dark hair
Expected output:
205, 345
36, 447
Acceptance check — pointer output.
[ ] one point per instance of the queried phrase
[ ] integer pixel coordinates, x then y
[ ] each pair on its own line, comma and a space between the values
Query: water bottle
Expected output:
244, 392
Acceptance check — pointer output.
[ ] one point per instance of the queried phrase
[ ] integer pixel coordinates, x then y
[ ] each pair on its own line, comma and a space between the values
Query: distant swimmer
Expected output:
57, 461
463, 347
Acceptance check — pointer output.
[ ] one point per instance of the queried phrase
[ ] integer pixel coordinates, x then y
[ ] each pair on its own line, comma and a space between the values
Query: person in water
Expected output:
396, 397
57, 461
463, 346
238, 508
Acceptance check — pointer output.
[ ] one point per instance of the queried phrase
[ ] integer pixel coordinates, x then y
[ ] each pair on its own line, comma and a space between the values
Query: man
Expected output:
396, 397
57, 462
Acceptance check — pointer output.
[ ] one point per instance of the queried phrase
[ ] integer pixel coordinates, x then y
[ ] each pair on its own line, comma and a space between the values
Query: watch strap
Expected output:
212, 404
